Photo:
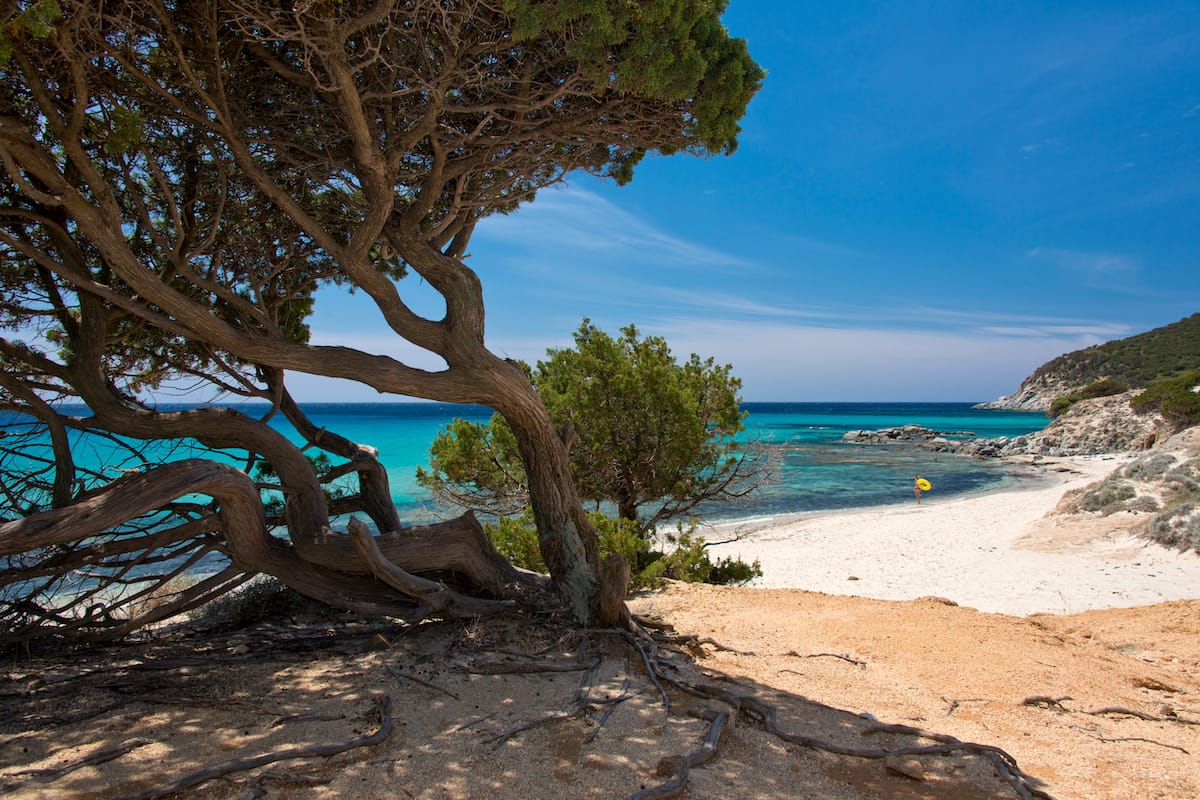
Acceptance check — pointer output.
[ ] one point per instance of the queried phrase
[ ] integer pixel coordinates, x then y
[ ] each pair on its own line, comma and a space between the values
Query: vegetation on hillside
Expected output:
1175, 398
1138, 361
1101, 388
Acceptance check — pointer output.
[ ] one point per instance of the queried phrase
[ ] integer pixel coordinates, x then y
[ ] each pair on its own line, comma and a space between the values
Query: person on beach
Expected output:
917, 488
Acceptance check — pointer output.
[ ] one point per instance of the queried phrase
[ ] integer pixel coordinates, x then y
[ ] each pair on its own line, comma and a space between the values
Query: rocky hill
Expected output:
1136, 362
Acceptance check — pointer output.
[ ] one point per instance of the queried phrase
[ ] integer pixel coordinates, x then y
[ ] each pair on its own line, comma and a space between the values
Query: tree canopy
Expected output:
646, 432
178, 181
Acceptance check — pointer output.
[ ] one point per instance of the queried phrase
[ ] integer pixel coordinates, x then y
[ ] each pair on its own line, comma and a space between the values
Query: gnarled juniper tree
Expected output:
179, 178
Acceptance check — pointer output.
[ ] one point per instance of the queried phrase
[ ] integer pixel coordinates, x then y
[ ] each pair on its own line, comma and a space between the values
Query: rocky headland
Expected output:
1089, 427
1155, 495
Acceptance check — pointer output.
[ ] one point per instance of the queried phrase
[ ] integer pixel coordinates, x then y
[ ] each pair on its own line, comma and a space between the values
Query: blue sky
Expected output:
928, 202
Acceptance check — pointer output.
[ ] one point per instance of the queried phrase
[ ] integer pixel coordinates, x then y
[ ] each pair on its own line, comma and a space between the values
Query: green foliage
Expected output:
1174, 398
516, 539
669, 50
1137, 361
649, 433
36, 20
686, 558
688, 561
477, 466
1101, 388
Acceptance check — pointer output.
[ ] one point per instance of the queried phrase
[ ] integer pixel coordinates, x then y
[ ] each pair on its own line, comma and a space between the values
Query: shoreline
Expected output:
996, 550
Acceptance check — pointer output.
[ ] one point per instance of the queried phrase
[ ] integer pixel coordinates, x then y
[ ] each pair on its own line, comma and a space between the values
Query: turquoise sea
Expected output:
814, 469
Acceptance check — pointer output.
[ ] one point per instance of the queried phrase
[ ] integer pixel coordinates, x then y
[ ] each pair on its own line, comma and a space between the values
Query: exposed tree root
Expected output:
679, 767
104, 756
580, 704
408, 676
524, 666
765, 714
1100, 737
1131, 712
1056, 703
842, 656
200, 776
694, 644
952, 704
1045, 701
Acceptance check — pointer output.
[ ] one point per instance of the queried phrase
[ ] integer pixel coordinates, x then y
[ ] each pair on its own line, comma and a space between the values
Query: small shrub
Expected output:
1107, 498
1182, 479
1149, 468
1105, 387
689, 561
1142, 504
624, 537
516, 539
1059, 405
1178, 527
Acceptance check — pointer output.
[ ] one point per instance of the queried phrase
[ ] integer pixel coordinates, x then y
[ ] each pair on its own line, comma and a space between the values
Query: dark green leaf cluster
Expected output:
1137, 361
650, 435
1175, 398
34, 19
1101, 388
671, 50
477, 466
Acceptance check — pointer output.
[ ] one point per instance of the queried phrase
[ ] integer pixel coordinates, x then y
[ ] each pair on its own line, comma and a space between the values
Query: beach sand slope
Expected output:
996, 552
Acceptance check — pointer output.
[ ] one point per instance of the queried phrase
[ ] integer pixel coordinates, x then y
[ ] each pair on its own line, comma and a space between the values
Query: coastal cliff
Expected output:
1134, 362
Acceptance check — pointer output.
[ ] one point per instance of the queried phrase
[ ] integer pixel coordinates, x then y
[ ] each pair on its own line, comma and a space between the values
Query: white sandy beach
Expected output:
993, 552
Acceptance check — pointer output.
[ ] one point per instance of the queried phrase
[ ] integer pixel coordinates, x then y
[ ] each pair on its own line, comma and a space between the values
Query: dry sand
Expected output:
995, 552
1101, 705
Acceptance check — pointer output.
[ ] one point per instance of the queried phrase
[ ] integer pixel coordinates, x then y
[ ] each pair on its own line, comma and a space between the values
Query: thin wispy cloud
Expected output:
573, 219
1046, 145
737, 310
1097, 269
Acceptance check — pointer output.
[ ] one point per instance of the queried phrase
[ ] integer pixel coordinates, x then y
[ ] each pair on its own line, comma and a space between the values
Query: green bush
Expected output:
1174, 399
516, 539
1104, 387
1059, 406
687, 559
1107, 498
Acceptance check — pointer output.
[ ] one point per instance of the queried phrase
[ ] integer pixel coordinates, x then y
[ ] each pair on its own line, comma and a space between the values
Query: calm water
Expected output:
814, 469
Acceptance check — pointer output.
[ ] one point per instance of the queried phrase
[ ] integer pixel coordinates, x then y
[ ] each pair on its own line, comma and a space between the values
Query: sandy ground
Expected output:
993, 552
1100, 705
